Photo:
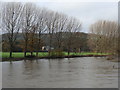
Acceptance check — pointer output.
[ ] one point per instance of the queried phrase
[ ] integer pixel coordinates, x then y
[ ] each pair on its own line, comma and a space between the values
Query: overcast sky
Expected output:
86, 12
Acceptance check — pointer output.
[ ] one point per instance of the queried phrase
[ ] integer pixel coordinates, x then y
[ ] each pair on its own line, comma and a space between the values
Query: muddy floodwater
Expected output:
85, 72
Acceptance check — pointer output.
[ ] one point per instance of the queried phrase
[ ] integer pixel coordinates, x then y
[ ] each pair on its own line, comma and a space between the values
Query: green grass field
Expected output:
43, 54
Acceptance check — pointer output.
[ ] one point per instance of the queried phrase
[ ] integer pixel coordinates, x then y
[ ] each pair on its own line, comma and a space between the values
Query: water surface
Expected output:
86, 72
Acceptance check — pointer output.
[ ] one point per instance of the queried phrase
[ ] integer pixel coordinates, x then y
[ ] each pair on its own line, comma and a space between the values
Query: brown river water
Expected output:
85, 72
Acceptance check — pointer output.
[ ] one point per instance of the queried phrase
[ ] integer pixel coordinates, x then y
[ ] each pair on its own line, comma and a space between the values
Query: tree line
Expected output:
33, 21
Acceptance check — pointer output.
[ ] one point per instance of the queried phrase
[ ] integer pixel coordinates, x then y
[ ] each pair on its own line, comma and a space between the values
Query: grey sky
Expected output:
86, 12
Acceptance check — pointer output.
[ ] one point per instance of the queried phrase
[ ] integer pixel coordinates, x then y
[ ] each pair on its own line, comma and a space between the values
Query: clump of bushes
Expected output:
56, 53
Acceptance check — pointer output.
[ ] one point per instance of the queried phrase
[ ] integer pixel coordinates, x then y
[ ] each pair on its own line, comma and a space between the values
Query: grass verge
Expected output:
45, 54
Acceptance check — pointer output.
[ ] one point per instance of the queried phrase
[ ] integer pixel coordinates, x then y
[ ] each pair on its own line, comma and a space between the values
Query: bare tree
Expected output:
41, 27
11, 19
32, 40
104, 36
29, 21
59, 29
72, 26
50, 24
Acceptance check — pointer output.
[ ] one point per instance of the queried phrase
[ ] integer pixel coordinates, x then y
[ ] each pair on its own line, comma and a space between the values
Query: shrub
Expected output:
56, 53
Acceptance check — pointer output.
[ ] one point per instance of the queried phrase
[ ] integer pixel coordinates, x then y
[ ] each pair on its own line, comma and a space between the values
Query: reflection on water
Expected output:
61, 73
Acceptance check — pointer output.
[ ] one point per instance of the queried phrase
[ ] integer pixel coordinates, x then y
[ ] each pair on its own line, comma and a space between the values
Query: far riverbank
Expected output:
50, 57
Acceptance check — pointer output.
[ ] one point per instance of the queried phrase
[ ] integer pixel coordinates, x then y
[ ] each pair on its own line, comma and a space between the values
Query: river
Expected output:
85, 72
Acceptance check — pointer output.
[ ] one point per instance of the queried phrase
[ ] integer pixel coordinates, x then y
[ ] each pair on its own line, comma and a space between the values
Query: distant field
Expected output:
42, 54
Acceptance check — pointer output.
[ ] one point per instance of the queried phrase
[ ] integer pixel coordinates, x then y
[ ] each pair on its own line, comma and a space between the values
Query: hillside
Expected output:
44, 36
81, 40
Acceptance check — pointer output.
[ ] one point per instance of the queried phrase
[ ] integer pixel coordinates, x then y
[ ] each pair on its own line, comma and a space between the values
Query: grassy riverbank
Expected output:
45, 54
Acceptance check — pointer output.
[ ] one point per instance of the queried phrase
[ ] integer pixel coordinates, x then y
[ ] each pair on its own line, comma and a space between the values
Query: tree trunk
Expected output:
68, 52
37, 54
38, 45
49, 51
10, 54
31, 53
25, 54
11, 50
